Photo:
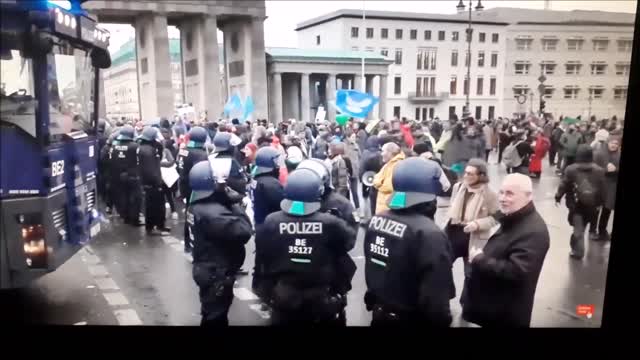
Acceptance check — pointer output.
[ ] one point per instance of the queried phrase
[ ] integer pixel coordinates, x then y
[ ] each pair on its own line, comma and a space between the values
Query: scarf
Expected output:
472, 208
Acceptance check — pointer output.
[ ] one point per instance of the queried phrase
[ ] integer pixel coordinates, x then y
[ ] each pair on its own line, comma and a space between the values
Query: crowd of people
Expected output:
311, 184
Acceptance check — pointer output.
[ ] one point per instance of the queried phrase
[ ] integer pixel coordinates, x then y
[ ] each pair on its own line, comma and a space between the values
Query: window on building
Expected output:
494, 38
417, 117
426, 58
369, 33
452, 112
427, 34
478, 112
317, 39
524, 44
455, 36
396, 111
369, 49
598, 68
620, 93
480, 58
426, 86
424, 114
573, 68
466, 86
548, 92
413, 34
494, 59
454, 58
354, 32
548, 68
625, 45
571, 92
600, 45
492, 86
482, 37
354, 48
431, 113
453, 85
549, 44
397, 85
623, 69
574, 44
384, 33
384, 52
492, 112
596, 92
467, 58
479, 85
522, 68
441, 35
398, 34
398, 60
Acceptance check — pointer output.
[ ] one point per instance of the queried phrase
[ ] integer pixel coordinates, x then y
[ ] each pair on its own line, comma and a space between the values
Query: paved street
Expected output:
126, 278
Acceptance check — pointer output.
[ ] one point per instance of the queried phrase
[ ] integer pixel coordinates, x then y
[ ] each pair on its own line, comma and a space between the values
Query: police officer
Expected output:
224, 149
126, 191
407, 256
266, 194
105, 170
149, 156
187, 158
298, 248
220, 229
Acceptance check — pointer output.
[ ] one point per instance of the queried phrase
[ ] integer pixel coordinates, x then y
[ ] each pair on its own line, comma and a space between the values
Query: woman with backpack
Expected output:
516, 155
541, 146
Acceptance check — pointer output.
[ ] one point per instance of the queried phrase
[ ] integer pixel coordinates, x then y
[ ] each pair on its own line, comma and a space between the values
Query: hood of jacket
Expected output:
373, 143
584, 154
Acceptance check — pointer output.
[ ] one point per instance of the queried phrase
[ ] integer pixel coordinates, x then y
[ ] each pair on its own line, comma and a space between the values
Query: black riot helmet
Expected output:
302, 193
197, 137
222, 141
150, 134
127, 132
321, 169
266, 160
415, 181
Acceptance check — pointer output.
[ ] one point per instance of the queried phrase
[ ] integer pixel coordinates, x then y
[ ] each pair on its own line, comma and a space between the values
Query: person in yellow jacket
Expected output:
391, 155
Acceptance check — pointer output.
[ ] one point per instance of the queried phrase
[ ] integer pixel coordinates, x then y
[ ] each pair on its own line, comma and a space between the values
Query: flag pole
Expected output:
364, 80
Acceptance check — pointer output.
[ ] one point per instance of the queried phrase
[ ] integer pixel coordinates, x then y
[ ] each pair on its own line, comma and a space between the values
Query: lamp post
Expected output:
590, 100
461, 7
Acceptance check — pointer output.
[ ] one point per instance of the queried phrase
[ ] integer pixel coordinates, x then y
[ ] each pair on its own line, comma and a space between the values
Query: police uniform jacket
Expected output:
408, 267
302, 252
187, 158
267, 194
124, 159
149, 158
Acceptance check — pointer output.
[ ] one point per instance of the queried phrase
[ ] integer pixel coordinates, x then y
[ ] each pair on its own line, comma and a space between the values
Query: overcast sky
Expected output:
284, 15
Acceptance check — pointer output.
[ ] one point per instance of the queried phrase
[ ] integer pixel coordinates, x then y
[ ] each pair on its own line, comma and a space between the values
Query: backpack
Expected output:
586, 193
510, 157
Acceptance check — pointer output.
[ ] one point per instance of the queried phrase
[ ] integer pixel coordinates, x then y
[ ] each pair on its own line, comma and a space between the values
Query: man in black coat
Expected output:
608, 158
371, 160
149, 158
584, 185
504, 274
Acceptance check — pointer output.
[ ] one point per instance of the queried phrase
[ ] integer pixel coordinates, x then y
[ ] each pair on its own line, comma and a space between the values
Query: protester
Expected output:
504, 140
556, 146
504, 274
339, 171
391, 155
465, 143
570, 141
487, 131
583, 184
473, 205
608, 158
371, 161
540, 148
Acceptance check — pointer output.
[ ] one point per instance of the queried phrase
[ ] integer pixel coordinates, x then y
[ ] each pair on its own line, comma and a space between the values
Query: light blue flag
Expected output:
355, 103
234, 104
248, 109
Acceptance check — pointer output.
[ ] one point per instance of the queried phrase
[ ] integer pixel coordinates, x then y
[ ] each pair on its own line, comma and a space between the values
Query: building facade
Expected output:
582, 53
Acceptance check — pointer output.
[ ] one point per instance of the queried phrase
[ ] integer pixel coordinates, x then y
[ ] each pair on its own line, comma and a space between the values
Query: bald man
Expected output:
505, 273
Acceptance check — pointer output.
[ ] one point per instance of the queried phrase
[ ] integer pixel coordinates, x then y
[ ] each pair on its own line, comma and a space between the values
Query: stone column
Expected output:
305, 106
258, 66
276, 116
369, 90
357, 82
382, 105
154, 70
331, 97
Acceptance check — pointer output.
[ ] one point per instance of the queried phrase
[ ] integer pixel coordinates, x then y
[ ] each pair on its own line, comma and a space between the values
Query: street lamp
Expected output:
461, 7
590, 100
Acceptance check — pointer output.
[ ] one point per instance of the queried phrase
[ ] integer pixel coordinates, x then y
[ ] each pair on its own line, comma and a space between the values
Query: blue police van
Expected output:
50, 56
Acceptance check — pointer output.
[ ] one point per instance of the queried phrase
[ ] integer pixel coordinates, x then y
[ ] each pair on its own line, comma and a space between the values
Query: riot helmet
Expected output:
302, 193
127, 132
197, 137
321, 169
266, 160
222, 141
415, 181
150, 134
